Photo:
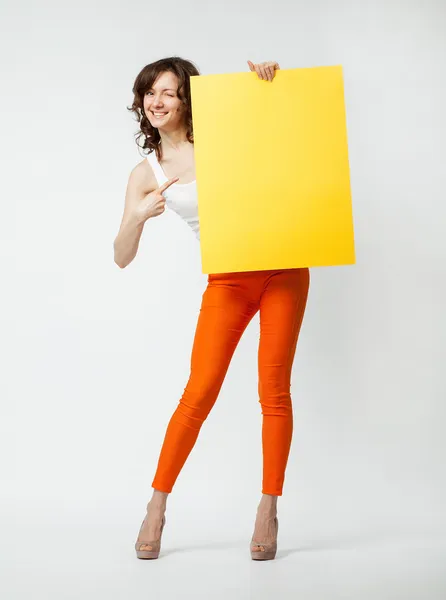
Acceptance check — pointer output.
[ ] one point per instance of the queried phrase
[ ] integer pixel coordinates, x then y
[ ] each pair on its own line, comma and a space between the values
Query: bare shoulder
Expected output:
142, 178
141, 182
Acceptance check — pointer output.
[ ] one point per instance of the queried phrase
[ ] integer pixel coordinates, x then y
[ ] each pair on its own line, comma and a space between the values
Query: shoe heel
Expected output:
156, 544
269, 550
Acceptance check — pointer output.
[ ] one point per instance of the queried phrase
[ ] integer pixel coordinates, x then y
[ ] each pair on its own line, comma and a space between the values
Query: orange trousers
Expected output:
229, 302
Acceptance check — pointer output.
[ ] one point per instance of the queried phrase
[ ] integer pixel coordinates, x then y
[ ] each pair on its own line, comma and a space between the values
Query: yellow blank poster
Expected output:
272, 170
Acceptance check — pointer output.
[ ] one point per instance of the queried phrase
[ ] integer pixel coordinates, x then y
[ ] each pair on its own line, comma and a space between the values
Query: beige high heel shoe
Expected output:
155, 544
269, 550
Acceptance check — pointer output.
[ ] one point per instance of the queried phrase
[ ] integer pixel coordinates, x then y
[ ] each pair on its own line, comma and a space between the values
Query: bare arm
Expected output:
141, 182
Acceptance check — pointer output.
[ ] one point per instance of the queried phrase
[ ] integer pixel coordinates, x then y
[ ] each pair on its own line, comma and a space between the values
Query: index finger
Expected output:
168, 183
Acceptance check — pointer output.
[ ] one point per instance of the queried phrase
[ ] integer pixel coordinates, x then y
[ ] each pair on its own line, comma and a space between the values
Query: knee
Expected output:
275, 397
196, 403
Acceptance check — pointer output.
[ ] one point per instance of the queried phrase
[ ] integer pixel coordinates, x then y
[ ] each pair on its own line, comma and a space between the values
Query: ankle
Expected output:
267, 506
158, 500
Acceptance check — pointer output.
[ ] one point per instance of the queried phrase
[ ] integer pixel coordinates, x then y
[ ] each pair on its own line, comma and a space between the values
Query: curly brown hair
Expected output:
183, 69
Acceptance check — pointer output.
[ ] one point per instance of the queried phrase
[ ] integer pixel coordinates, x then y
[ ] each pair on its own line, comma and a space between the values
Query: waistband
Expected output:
244, 274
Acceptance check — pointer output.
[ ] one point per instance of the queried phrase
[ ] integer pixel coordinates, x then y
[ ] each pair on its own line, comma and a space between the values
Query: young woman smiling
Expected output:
166, 178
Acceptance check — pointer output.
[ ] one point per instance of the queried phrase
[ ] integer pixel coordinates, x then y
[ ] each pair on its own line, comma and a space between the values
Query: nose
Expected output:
157, 101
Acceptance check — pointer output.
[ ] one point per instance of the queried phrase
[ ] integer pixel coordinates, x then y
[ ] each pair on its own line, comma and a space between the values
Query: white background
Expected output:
95, 358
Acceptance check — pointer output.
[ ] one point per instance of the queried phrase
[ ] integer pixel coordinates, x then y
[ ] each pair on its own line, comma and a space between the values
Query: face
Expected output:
162, 106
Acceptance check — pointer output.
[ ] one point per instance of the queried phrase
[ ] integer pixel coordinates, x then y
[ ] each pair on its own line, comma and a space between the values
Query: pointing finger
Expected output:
168, 183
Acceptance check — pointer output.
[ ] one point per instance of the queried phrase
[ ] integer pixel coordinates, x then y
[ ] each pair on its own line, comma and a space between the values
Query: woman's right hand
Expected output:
153, 204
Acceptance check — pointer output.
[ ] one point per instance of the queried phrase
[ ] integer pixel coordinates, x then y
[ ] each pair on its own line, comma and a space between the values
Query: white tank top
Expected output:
180, 197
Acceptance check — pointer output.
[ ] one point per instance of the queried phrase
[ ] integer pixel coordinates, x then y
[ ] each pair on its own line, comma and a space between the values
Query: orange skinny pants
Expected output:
229, 302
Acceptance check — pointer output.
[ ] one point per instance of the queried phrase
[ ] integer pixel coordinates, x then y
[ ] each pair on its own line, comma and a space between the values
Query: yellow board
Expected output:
272, 170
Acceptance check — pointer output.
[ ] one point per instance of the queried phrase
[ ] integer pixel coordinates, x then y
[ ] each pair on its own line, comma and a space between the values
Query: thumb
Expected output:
251, 66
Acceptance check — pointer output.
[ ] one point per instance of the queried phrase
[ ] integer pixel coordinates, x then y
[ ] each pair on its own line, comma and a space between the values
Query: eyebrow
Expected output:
171, 89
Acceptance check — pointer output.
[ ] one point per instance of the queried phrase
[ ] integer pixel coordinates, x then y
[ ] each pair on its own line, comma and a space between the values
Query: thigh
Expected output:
282, 307
224, 315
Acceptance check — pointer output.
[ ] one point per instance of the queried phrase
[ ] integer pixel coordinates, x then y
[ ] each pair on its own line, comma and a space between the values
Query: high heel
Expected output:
269, 550
155, 544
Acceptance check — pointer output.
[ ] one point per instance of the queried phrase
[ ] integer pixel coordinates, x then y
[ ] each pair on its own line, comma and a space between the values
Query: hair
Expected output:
145, 79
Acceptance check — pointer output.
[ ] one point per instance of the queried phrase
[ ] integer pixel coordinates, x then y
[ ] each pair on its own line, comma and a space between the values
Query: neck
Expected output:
173, 139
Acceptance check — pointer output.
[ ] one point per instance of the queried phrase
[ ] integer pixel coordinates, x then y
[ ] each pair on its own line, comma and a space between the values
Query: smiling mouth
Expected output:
158, 115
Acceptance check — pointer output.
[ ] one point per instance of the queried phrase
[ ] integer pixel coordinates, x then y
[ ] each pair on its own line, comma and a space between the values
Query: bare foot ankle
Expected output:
151, 529
265, 526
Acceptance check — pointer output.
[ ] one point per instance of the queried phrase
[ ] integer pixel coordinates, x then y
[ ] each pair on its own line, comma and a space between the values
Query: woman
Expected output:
162, 104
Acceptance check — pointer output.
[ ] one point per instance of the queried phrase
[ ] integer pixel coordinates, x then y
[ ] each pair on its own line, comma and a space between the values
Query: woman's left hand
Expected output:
265, 70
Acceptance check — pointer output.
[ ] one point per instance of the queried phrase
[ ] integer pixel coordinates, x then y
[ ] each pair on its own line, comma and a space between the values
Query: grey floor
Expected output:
85, 561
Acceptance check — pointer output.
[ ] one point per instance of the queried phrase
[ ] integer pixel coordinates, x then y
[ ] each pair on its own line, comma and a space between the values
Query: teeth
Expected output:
159, 114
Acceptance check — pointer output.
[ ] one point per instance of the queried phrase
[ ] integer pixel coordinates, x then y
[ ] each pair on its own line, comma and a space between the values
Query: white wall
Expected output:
96, 358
